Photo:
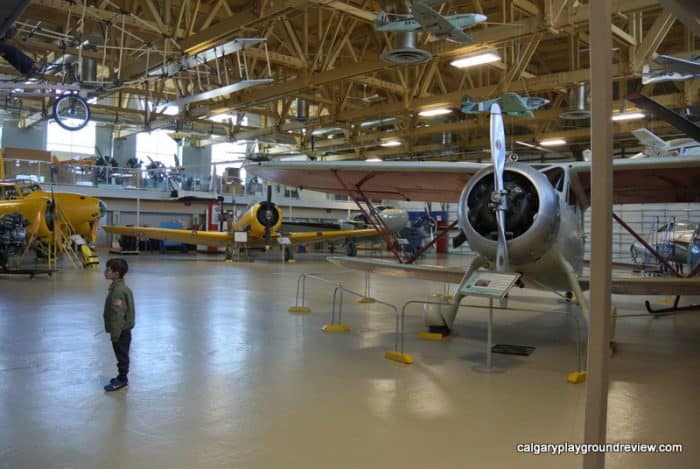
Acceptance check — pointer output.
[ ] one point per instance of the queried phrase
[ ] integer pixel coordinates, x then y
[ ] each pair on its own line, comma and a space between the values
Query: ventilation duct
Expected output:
379, 122
577, 104
302, 114
405, 50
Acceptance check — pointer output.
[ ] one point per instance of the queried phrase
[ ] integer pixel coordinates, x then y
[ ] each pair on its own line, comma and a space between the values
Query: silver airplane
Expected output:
511, 103
425, 19
673, 69
517, 217
670, 240
694, 249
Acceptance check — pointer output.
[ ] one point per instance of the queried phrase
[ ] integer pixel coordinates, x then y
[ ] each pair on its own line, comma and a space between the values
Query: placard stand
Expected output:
493, 286
240, 244
286, 244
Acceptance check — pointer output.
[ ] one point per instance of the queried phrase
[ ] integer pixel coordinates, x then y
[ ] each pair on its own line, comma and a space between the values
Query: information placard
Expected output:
490, 284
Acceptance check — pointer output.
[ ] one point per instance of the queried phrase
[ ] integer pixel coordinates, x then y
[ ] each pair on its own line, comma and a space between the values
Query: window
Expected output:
80, 141
158, 146
228, 155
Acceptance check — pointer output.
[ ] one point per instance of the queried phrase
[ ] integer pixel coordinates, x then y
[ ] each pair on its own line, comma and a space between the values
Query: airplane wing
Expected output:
454, 274
651, 285
678, 65
513, 104
424, 181
434, 23
207, 238
459, 36
218, 238
310, 236
647, 180
686, 126
436, 273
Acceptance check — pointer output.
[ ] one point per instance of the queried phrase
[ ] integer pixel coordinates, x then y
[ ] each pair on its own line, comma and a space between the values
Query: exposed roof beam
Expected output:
232, 26
358, 13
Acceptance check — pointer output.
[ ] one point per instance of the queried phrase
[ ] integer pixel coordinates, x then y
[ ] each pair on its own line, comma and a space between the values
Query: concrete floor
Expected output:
223, 376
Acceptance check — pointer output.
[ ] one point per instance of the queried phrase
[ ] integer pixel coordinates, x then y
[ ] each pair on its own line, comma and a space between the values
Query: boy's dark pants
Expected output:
121, 351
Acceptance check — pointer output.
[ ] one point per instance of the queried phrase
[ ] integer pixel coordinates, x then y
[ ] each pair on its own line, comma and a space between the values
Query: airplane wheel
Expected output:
71, 112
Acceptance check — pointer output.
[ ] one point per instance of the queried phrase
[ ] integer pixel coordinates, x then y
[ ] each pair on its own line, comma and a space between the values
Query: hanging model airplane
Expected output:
655, 146
511, 103
262, 224
424, 19
516, 217
673, 69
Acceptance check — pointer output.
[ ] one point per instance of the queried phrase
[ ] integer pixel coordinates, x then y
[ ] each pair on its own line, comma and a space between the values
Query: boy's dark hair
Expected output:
118, 265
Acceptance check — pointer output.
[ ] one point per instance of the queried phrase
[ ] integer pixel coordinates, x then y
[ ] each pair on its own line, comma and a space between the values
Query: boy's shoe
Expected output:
116, 384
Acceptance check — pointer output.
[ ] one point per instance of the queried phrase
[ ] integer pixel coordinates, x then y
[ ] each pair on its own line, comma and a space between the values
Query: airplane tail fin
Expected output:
381, 19
654, 145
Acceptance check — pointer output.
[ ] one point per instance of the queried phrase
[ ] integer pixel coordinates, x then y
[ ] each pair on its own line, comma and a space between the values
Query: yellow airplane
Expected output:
262, 223
82, 213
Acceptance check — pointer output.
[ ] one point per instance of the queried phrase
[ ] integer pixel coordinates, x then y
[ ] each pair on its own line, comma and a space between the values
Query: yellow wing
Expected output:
207, 238
310, 236
216, 238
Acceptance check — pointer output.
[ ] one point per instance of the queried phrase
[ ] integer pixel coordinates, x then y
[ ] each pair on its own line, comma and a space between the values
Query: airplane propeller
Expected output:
498, 196
268, 218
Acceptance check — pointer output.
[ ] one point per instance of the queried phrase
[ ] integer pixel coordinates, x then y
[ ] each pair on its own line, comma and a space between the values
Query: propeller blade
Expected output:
498, 197
268, 218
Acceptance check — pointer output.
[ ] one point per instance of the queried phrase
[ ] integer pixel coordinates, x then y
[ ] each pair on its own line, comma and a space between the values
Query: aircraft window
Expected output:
556, 178
28, 189
10, 193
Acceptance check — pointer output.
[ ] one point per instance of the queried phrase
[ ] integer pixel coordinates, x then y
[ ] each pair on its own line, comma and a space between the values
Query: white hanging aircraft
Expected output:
533, 225
424, 19
655, 146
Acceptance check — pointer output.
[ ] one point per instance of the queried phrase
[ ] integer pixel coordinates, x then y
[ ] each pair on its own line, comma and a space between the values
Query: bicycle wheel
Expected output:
71, 112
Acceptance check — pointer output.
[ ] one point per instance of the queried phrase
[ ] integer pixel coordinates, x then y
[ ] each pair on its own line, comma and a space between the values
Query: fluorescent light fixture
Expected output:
479, 59
390, 143
435, 112
373, 160
628, 116
553, 142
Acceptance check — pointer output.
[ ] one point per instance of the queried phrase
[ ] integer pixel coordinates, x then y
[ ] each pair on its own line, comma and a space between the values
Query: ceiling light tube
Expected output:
553, 142
434, 112
390, 143
628, 116
479, 59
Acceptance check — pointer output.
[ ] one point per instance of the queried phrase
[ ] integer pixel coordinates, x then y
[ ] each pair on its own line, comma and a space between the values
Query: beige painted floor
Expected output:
223, 376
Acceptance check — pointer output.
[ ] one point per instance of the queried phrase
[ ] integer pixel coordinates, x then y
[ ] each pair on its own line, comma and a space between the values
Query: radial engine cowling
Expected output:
268, 215
532, 216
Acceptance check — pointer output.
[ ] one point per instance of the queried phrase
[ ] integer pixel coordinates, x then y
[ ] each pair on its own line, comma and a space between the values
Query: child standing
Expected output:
119, 316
